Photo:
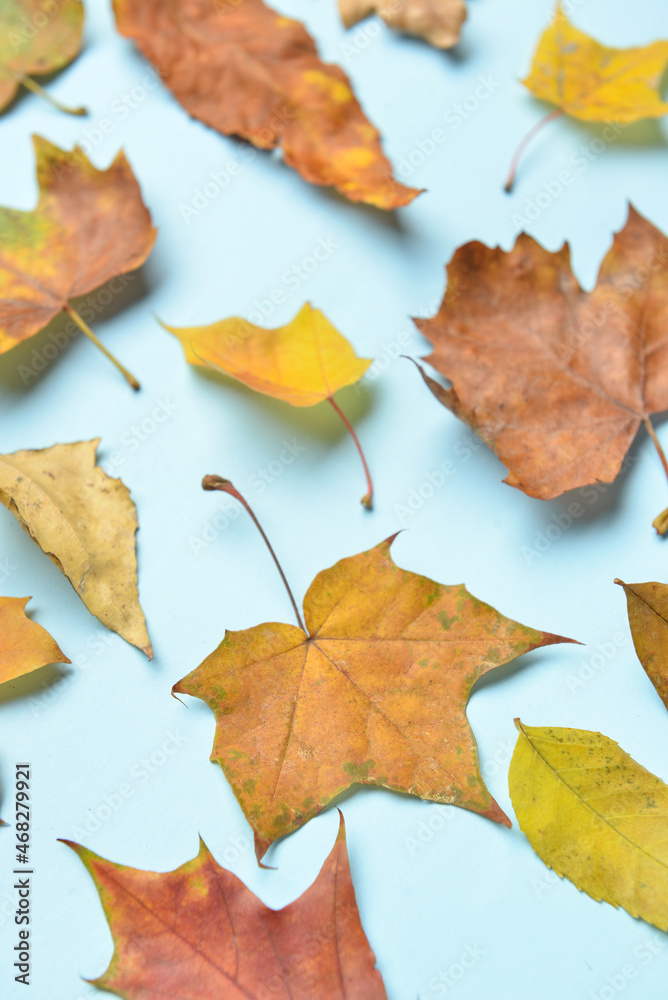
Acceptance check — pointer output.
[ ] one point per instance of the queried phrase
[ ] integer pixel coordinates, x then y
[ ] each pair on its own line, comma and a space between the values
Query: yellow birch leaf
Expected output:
86, 523
595, 816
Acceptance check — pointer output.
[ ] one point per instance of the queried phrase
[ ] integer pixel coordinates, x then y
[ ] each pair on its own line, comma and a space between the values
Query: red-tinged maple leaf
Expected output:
198, 933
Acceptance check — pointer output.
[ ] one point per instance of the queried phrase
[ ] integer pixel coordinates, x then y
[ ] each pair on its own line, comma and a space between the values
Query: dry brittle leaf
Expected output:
35, 39
374, 690
246, 70
198, 933
648, 617
438, 22
556, 380
24, 645
86, 523
595, 816
89, 226
302, 363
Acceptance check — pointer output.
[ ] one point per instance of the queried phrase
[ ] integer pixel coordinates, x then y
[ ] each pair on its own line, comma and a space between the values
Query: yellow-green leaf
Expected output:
595, 816
36, 38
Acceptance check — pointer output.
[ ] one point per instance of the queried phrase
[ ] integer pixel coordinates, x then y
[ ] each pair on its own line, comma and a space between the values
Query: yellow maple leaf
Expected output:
591, 81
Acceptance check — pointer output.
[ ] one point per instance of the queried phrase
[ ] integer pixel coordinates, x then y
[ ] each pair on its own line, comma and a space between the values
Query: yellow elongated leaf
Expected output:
594, 82
302, 363
24, 645
648, 617
86, 523
595, 816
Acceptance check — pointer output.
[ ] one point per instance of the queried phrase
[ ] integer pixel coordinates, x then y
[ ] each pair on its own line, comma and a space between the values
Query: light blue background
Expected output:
430, 881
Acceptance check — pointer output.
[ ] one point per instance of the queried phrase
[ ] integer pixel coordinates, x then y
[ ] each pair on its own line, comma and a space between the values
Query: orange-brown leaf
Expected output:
246, 70
89, 226
555, 379
24, 645
375, 693
198, 933
648, 617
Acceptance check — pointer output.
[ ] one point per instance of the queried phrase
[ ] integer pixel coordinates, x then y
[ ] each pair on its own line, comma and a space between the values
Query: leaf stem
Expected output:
510, 183
225, 486
660, 522
31, 84
83, 326
367, 499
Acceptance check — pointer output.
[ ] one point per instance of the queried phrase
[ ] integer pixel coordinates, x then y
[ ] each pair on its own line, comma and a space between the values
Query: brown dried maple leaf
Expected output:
246, 70
556, 380
198, 933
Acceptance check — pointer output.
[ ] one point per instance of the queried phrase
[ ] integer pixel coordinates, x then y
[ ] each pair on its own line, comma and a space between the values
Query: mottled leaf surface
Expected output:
375, 693
595, 816
89, 226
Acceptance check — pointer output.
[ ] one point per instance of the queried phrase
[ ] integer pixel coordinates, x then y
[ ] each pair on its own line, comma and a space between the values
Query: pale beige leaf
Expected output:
86, 523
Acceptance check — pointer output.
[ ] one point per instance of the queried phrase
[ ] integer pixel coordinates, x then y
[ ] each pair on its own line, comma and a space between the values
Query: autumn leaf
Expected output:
438, 22
24, 645
648, 617
593, 82
36, 39
595, 816
246, 70
371, 689
198, 933
556, 380
302, 363
89, 226
86, 523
